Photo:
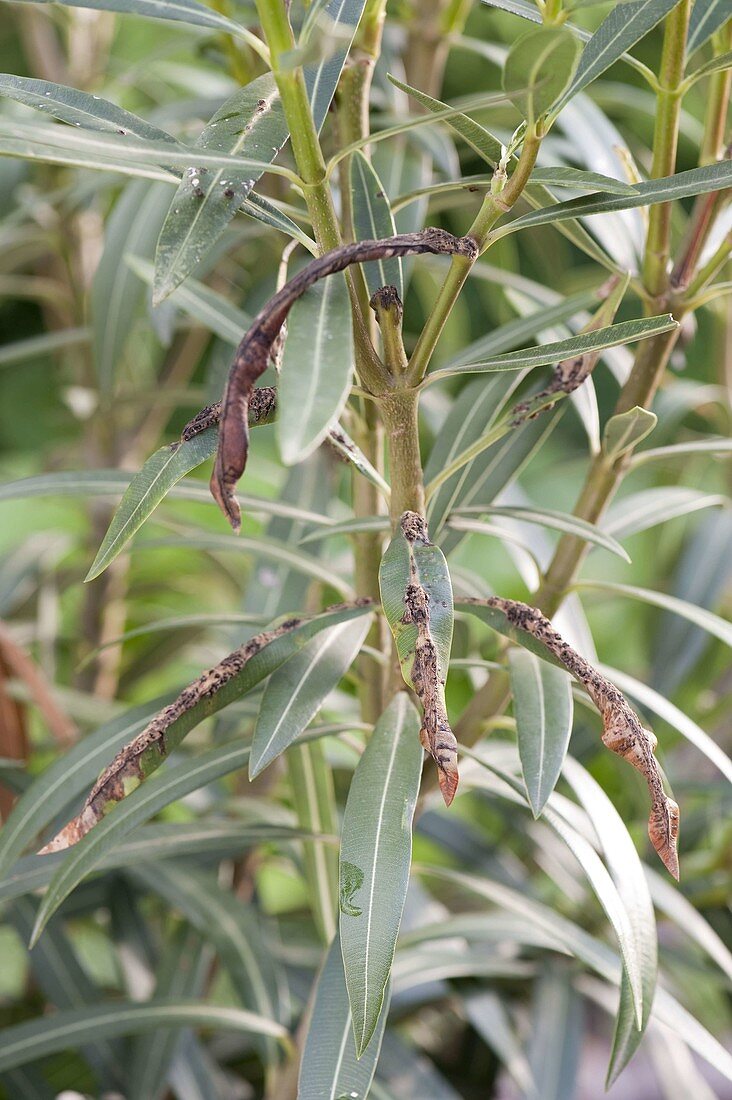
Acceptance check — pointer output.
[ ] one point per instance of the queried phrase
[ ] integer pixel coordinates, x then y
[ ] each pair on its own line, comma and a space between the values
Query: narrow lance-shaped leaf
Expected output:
707, 16
629, 877
622, 729
330, 1066
376, 850
538, 68
316, 368
217, 687
542, 703
158, 476
28, 1042
625, 25
297, 690
372, 218
624, 332
683, 185
251, 123
143, 803
182, 11
416, 594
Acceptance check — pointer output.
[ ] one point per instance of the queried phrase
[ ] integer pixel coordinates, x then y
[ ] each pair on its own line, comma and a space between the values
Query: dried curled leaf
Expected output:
231, 678
253, 353
622, 732
416, 594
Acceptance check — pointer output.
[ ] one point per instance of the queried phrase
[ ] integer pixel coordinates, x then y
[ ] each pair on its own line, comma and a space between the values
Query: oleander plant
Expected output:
364, 441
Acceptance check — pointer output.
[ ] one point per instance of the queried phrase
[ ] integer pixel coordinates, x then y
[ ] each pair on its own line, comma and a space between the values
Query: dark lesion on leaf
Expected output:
428, 679
623, 731
145, 753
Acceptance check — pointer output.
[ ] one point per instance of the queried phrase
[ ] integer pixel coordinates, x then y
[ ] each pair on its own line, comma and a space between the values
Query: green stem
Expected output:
495, 205
718, 95
665, 143
399, 412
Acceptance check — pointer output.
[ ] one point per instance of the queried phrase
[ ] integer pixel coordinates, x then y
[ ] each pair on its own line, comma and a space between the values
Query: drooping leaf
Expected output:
416, 594
376, 849
542, 703
611, 336
251, 123
477, 137
626, 430
627, 873
556, 1032
489, 1016
297, 690
707, 620
330, 1066
539, 67
28, 1042
316, 369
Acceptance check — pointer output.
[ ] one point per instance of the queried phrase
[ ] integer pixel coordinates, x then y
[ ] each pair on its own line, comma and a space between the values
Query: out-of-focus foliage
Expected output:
204, 940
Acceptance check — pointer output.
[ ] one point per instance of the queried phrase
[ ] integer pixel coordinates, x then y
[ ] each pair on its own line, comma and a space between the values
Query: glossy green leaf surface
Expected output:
542, 703
376, 849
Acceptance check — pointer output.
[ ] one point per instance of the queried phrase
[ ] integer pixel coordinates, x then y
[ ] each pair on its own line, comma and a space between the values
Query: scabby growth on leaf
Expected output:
417, 597
623, 732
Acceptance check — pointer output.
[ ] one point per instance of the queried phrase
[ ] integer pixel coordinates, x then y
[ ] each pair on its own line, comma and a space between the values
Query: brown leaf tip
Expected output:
448, 784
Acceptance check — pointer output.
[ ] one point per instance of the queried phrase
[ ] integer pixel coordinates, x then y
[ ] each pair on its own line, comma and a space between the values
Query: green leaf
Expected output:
116, 293
678, 450
581, 180
34, 347
542, 704
372, 219
523, 8
629, 877
179, 976
672, 903
714, 65
330, 1066
544, 517
339, 21
65, 780
611, 336
625, 25
556, 1031
199, 301
230, 926
298, 689
489, 1016
477, 137
316, 369
707, 620
626, 430
256, 206
649, 507
707, 16
341, 442
376, 850
696, 181
150, 843
143, 494
139, 806
349, 527
79, 108
28, 1042
276, 551
539, 67
183, 11
313, 796
250, 123
479, 481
